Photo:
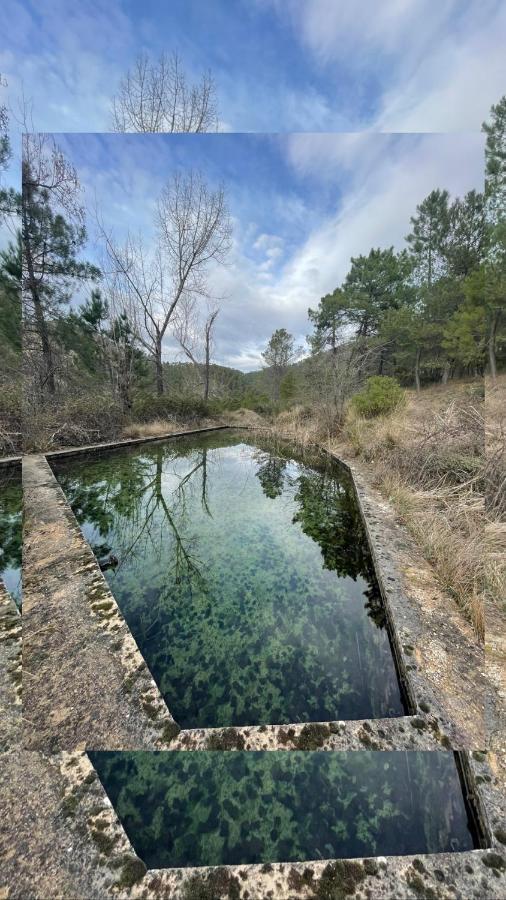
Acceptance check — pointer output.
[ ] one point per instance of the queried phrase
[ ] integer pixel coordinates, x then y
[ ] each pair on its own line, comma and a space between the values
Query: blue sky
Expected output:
405, 84
280, 65
301, 206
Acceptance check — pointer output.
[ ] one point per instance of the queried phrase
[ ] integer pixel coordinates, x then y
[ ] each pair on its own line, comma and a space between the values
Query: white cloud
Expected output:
372, 182
433, 66
375, 212
453, 88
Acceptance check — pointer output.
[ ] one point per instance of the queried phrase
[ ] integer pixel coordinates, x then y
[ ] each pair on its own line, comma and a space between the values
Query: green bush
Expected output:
381, 395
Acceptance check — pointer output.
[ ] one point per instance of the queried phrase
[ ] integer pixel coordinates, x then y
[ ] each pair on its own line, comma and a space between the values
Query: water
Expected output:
244, 576
210, 808
11, 509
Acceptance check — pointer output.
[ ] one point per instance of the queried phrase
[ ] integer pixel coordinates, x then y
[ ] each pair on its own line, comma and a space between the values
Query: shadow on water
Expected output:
243, 571
11, 510
208, 808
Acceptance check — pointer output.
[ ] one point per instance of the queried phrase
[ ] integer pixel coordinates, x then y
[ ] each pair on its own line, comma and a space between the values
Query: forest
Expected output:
93, 358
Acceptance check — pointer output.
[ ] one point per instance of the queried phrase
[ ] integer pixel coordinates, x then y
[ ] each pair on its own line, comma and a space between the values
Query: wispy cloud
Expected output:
350, 193
280, 65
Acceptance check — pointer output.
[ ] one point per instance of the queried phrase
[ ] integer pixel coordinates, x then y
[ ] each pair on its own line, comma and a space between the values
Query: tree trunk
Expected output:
40, 322
491, 345
207, 367
159, 366
124, 379
446, 373
417, 369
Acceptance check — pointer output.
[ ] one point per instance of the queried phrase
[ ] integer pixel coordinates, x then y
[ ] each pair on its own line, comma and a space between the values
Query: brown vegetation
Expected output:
428, 458
495, 529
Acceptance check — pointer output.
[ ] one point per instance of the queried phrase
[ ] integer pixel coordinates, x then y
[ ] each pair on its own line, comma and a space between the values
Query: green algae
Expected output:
11, 511
212, 809
245, 577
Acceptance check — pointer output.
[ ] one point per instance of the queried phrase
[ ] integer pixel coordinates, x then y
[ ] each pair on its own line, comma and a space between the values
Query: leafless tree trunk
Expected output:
156, 97
196, 339
194, 230
491, 343
417, 369
208, 338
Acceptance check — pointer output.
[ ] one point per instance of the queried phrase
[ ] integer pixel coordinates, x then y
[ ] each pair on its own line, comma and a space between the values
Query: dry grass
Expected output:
156, 428
495, 529
161, 427
245, 417
427, 458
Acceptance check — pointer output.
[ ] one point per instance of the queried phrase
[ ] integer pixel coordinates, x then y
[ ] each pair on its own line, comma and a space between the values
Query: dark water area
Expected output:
243, 571
206, 808
11, 513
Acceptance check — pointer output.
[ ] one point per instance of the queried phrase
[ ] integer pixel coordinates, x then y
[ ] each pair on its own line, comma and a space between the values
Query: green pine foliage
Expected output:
381, 395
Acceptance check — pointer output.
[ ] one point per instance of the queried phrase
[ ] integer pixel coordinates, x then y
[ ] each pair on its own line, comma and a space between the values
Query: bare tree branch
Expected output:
156, 97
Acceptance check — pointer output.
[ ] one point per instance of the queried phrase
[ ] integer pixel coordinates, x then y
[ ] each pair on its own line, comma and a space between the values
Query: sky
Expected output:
301, 205
279, 65
404, 86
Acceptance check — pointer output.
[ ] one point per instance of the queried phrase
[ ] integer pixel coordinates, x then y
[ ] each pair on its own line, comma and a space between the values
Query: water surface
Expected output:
244, 575
216, 808
11, 510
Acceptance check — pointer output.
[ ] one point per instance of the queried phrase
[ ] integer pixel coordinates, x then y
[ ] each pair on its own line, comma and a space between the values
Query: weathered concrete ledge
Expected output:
403, 733
64, 839
128, 442
10, 672
85, 683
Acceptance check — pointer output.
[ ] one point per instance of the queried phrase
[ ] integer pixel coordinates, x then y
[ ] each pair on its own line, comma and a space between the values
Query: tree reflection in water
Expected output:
11, 509
245, 577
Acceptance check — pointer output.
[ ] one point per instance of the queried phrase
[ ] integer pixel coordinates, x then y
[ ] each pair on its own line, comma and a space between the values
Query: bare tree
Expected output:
194, 230
196, 339
156, 97
139, 280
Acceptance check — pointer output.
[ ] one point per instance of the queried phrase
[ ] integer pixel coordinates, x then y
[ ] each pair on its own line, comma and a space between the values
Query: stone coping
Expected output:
115, 703
10, 460
65, 839
113, 445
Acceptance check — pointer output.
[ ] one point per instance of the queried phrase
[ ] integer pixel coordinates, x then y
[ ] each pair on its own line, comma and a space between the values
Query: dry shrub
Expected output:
10, 417
157, 428
247, 417
161, 427
73, 422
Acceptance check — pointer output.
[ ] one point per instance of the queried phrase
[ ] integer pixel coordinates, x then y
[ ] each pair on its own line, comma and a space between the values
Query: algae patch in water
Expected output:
245, 577
208, 809
11, 510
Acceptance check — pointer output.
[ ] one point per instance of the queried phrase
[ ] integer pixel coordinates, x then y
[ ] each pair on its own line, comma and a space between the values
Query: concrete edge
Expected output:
113, 445
150, 722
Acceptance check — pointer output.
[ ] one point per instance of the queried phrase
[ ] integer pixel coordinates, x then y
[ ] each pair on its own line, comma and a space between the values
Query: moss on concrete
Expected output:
312, 736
